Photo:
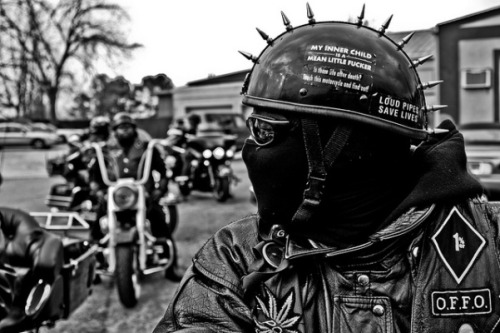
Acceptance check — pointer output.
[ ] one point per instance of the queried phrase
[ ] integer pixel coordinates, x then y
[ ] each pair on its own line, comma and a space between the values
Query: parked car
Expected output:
225, 122
12, 134
65, 133
482, 146
43, 127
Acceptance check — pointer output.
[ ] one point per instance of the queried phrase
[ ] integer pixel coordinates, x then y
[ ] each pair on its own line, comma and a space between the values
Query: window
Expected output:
15, 129
476, 78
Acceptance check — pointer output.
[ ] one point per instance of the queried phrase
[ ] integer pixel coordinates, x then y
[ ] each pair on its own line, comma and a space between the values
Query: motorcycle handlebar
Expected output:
167, 143
147, 164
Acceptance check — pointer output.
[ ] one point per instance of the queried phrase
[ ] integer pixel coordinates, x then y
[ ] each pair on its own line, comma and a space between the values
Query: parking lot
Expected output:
25, 186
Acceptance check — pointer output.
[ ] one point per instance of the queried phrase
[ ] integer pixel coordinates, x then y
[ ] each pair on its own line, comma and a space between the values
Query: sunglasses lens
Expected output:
262, 132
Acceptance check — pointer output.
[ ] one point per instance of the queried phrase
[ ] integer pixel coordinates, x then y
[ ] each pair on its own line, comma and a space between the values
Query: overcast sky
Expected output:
189, 39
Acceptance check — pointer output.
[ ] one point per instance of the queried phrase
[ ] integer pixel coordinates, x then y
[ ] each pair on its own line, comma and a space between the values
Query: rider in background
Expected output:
127, 150
99, 129
194, 121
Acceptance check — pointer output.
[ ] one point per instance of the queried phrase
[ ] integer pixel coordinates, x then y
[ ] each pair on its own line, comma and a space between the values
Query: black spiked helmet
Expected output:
340, 69
343, 70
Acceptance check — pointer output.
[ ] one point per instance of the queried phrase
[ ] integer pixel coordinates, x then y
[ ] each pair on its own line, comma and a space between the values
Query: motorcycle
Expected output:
209, 167
129, 249
57, 277
74, 193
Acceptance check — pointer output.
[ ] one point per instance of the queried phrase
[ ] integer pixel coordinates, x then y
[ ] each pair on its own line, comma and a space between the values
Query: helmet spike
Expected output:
249, 56
361, 16
405, 40
286, 22
310, 14
384, 26
433, 108
429, 84
265, 36
437, 131
420, 61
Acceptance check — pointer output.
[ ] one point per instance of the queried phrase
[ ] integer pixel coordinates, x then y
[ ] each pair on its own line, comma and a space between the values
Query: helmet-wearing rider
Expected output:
99, 129
127, 150
366, 217
194, 121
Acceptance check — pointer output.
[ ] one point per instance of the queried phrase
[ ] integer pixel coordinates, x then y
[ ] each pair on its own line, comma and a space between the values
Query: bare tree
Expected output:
50, 43
110, 95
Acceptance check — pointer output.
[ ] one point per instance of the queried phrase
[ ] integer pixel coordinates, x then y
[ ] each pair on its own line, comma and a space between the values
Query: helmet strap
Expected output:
319, 161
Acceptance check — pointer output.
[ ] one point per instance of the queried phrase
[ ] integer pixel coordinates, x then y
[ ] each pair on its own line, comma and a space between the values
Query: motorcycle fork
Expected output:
140, 218
211, 174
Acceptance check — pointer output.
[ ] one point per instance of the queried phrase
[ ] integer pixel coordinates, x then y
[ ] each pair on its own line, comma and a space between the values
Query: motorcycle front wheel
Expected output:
127, 275
221, 189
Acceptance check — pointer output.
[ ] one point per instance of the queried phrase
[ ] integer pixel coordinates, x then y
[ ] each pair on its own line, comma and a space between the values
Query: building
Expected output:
469, 51
216, 93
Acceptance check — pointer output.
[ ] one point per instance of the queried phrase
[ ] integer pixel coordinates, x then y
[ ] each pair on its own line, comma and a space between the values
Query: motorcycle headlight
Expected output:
170, 161
230, 153
125, 197
219, 153
207, 153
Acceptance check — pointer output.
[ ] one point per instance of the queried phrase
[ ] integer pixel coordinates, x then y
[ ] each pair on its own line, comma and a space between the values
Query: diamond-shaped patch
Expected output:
458, 244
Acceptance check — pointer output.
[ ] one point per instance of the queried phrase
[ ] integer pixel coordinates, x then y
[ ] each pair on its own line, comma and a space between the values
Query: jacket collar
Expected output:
403, 225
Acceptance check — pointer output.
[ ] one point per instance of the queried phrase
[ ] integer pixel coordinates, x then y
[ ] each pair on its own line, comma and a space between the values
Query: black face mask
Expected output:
126, 140
278, 173
359, 193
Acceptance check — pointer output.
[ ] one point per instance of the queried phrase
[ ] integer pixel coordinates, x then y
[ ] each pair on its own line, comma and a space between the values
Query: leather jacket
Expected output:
434, 269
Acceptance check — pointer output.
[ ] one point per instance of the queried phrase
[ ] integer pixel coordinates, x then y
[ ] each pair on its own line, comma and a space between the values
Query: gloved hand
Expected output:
156, 194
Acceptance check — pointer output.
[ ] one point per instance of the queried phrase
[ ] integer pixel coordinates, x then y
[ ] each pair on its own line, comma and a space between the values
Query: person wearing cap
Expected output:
367, 221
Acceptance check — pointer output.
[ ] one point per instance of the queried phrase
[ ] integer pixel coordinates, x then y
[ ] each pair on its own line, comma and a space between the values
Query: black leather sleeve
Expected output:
202, 305
210, 296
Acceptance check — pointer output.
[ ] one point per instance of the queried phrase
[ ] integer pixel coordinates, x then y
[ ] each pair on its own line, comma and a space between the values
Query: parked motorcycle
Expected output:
74, 193
129, 249
53, 281
210, 168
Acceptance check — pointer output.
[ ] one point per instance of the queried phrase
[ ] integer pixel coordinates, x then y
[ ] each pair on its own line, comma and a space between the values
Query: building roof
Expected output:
238, 76
423, 42
487, 12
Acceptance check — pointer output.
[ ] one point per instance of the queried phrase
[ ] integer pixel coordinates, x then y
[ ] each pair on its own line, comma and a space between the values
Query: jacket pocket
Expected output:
362, 315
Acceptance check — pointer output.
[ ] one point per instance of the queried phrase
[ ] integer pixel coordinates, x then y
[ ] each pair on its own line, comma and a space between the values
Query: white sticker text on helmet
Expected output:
339, 66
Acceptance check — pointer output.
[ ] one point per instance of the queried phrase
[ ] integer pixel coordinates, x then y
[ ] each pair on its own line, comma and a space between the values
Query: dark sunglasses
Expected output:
265, 130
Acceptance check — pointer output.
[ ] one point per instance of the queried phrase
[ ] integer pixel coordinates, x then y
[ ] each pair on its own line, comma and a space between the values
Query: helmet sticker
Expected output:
396, 109
339, 66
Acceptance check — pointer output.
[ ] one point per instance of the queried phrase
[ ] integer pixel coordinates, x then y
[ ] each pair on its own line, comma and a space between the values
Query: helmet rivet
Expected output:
303, 91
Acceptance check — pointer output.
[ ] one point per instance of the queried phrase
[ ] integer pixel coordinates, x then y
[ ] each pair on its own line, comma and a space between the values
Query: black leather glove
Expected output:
156, 195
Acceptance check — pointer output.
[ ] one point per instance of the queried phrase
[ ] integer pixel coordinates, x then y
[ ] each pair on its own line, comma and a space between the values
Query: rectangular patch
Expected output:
461, 302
